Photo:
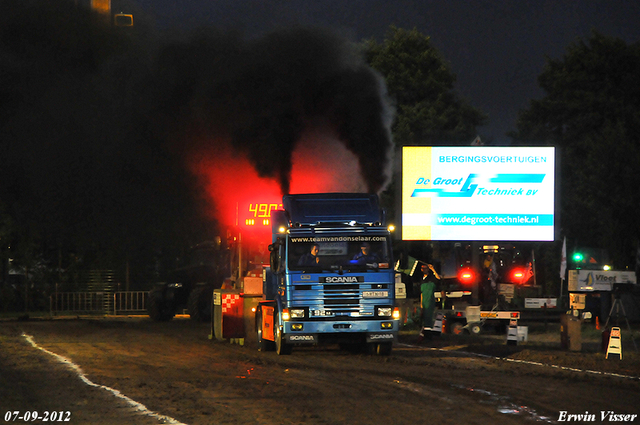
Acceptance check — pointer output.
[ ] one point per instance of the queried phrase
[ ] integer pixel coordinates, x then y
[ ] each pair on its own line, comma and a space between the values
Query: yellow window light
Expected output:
123, 20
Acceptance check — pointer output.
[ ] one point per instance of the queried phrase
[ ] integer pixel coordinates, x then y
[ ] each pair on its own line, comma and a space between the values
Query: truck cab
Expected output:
331, 277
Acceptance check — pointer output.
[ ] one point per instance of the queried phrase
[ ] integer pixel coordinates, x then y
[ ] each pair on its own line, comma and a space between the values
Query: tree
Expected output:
591, 111
428, 109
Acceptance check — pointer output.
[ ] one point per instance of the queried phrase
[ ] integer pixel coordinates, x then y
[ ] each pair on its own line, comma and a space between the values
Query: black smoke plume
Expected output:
262, 94
96, 120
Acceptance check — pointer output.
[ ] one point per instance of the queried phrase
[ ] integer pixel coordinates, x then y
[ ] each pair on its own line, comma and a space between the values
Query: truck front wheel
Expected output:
282, 348
380, 348
384, 348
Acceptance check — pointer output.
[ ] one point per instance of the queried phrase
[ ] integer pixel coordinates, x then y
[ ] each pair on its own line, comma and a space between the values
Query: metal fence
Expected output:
129, 302
107, 303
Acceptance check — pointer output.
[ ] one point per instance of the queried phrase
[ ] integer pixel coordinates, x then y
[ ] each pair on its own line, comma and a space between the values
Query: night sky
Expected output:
101, 131
496, 48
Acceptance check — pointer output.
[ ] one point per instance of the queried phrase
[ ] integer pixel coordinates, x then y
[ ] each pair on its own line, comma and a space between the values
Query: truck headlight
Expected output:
384, 311
296, 313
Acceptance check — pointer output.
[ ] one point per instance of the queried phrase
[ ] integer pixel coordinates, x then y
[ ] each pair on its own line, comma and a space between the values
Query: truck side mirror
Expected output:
275, 260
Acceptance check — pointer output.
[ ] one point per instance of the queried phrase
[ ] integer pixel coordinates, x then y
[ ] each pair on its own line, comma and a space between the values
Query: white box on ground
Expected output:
523, 333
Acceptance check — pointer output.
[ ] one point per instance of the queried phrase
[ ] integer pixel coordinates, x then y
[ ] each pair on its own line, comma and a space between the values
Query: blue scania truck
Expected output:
330, 278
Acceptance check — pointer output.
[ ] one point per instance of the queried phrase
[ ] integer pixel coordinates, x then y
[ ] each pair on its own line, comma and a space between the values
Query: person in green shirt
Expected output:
427, 298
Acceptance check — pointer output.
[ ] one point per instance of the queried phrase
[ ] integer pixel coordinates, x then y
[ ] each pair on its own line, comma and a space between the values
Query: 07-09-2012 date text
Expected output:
33, 416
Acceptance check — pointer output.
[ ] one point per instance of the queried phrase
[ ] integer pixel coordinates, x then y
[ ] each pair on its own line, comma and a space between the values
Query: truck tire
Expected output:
157, 308
282, 348
384, 348
199, 304
380, 348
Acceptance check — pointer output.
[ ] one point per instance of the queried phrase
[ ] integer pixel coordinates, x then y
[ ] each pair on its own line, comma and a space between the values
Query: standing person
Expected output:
427, 298
487, 287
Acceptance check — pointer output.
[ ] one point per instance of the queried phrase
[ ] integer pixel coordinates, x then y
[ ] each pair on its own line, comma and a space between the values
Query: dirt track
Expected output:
177, 373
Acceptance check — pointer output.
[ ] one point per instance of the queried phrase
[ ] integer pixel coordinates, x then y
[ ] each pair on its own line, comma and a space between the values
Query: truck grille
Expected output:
341, 298
337, 299
340, 301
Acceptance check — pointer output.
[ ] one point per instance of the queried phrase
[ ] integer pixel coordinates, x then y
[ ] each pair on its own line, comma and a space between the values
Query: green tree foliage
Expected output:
421, 83
591, 111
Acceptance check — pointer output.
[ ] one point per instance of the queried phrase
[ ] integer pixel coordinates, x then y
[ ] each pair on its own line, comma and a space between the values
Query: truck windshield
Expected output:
338, 253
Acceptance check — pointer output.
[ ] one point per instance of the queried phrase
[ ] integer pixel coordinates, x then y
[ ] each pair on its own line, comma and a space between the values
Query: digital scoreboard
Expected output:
256, 214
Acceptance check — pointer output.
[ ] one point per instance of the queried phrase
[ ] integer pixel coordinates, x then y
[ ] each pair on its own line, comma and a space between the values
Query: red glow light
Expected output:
466, 276
232, 185
237, 194
518, 276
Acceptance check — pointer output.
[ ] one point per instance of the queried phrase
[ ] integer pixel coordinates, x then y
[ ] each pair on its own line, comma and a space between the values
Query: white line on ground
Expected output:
138, 407
506, 359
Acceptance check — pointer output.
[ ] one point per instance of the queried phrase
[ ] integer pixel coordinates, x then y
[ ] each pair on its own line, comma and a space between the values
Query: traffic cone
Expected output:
597, 323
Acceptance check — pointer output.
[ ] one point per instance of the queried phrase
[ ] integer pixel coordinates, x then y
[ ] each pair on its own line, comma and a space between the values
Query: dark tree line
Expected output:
429, 110
591, 112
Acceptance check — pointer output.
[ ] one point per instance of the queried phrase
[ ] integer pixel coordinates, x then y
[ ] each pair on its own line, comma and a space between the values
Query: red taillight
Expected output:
466, 276
517, 275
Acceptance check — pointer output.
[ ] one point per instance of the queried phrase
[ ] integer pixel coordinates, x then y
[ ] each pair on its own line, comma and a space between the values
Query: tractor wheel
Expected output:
157, 308
199, 304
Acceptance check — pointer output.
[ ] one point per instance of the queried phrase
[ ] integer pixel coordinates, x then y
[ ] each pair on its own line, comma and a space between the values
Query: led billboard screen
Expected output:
478, 193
